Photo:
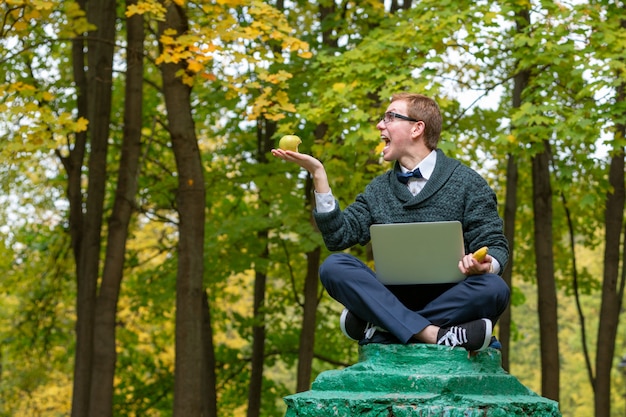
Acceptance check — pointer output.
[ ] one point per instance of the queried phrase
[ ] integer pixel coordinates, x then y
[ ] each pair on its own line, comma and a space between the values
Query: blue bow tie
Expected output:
404, 177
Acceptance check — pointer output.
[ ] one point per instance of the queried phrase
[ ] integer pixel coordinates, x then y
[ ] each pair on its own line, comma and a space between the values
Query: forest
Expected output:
158, 261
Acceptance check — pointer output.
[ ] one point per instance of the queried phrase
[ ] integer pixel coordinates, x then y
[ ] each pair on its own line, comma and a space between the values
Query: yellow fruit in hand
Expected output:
289, 143
480, 254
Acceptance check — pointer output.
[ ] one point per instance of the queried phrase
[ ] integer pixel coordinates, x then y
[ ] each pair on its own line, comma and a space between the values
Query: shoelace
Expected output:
370, 329
455, 336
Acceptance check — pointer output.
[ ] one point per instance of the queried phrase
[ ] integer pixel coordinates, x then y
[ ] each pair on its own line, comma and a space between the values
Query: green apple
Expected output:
289, 143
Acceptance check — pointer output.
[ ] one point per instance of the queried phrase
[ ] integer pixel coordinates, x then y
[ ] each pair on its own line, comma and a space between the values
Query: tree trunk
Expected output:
612, 292
265, 131
101, 402
612, 285
546, 285
306, 347
210, 388
73, 163
189, 375
255, 389
99, 80
510, 208
520, 82
307, 334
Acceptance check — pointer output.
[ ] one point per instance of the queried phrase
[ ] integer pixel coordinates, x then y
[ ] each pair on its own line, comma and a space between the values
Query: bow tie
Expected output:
404, 177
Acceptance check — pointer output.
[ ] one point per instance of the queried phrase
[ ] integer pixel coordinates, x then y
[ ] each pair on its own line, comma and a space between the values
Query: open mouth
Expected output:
386, 140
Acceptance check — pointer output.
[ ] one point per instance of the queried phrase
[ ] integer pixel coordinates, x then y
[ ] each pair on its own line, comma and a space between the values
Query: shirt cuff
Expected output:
324, 202
495, 266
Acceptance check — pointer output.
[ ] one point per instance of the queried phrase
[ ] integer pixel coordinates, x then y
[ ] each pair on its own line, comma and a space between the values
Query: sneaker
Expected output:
473, 336
355, 327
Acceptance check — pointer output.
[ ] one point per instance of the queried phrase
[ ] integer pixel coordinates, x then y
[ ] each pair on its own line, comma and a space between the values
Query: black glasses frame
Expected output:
389, 116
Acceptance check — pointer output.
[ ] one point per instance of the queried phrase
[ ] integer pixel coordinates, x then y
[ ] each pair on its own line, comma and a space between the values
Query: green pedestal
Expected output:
420, 380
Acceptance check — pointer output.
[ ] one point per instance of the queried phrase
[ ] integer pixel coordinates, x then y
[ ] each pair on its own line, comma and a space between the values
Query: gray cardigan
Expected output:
453, 192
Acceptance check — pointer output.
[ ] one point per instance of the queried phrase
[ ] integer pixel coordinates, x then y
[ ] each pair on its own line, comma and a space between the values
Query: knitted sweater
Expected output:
453, 192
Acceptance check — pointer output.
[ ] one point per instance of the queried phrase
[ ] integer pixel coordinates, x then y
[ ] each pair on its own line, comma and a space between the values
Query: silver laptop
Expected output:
418, 253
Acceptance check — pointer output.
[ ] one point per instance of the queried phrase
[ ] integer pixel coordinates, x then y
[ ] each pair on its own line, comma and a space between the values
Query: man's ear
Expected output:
418, 129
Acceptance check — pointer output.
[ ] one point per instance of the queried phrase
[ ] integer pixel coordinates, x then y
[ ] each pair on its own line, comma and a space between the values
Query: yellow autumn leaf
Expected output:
47, 96
81, 124
187, 80
261, 102
133, 10
194, 66
282, 99
33, 14
149, 6
167, 40
274, 117
43, 5
20, 86
20, 26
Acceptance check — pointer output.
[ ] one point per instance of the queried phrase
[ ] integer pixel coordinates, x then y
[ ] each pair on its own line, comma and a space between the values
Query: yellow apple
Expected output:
289, 143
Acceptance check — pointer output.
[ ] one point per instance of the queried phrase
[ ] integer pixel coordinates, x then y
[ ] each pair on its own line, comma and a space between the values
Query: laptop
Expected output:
418, 253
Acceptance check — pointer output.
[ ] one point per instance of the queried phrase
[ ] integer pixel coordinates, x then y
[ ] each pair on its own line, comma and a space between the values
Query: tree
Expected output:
87, 239
237, 76
546, 288
104, 345
612, 282
520, 82
191, 359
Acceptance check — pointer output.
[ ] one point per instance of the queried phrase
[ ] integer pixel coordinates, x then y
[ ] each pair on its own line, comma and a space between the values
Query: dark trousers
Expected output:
405, 310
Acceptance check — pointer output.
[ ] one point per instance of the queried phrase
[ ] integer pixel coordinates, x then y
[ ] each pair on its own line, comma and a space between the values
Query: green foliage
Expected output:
36, 322
328, 82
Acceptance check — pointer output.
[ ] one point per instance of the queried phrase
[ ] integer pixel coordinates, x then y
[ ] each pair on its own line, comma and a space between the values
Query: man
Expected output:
424, 185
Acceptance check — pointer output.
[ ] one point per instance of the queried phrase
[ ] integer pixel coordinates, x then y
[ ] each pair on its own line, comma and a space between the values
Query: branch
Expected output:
581, 315
291, 275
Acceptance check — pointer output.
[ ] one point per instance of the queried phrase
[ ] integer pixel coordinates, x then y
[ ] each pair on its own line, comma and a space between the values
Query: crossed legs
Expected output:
412, 312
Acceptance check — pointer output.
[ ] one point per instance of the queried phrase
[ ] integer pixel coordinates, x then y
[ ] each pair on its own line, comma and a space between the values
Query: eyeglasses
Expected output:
390, 116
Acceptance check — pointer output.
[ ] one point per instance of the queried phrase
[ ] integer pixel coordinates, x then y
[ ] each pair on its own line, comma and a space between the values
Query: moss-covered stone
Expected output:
420, 380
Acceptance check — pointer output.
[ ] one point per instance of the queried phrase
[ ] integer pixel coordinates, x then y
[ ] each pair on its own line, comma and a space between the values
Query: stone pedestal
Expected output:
420, 380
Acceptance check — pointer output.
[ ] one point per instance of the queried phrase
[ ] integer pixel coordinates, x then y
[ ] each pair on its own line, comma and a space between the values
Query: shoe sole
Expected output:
488, 334
342, 324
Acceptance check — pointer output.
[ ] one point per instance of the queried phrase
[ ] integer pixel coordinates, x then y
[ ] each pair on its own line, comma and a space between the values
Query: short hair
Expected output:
423, 108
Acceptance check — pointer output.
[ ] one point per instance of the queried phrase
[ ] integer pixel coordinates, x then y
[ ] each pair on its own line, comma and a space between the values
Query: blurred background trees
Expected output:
157, 260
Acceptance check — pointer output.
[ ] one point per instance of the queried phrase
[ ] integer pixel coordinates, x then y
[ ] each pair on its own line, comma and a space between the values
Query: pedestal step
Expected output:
420, 380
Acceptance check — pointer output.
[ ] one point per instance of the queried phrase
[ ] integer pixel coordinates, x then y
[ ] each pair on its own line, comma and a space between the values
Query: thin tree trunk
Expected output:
73, 163
100, 69
265, 131
255, 389
311, 296
520, 82
189, 374
612, 284
510, 208
307, 334
101, 403
546, 285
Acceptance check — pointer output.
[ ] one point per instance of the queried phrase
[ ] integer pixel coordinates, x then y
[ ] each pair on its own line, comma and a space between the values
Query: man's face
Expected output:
395, 131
